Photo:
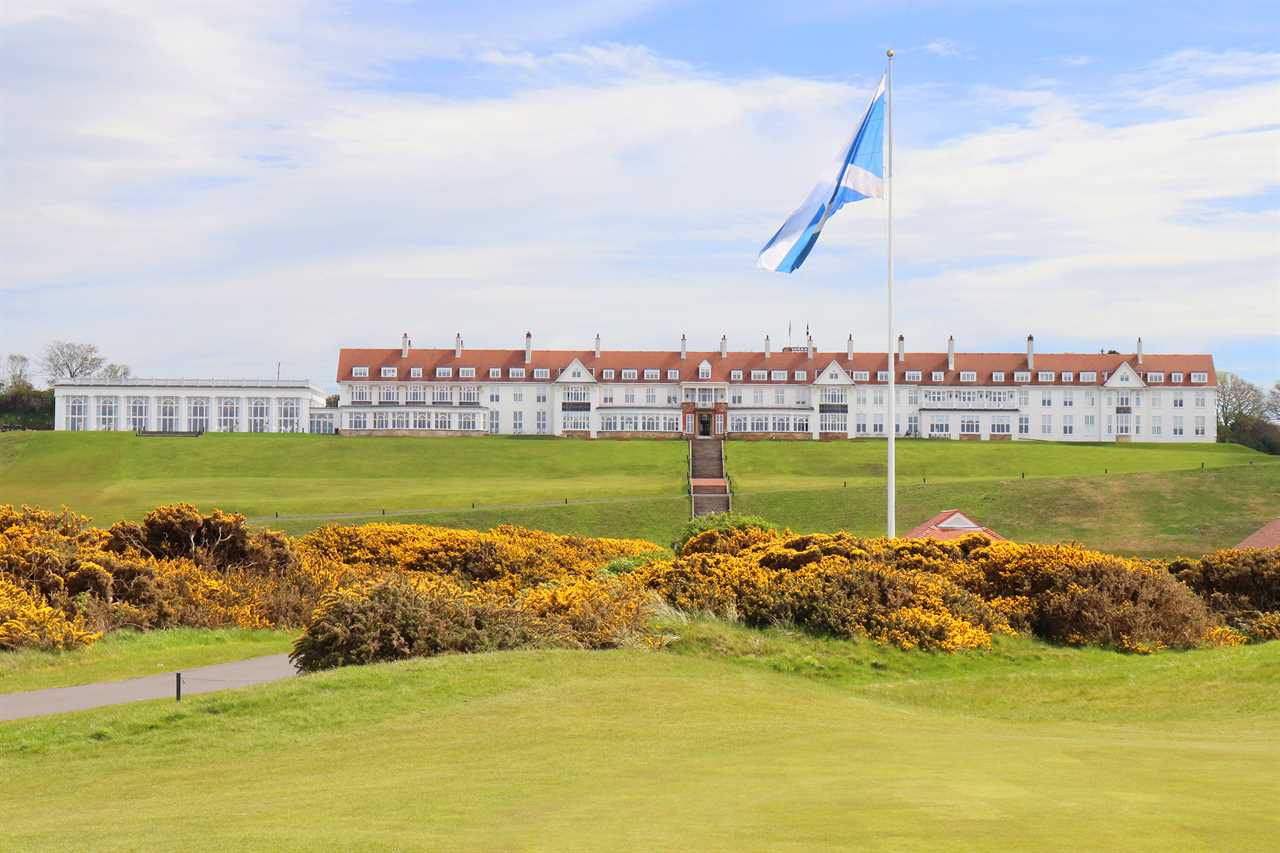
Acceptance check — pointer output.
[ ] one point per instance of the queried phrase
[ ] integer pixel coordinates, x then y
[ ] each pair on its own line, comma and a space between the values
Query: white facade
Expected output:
798, 393
190, 405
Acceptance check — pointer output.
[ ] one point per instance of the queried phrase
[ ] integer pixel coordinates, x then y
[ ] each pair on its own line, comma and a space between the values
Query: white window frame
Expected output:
361, 372
444, 373
389, 372
968, 376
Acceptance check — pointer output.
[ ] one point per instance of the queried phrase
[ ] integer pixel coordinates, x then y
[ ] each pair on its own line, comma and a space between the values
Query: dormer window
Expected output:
1088, 376
607, 373
628, 373
759, 375
495, 372
466, 373
1155, 378
360, 372
673, 375
936, 376
997, 376
882, 376
388, 373
415, 372
735, 375
515, 372
968, 376
861, 376
1199, 377
913, 376
779, 376
1175, 377
1044, 376
444, 372
704, 371
651, 374
802, 375
1022, 376
542, 373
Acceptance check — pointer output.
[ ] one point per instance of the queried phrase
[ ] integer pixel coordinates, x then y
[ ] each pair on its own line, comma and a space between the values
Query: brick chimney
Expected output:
404, 345
528, 347
951, 352
1031, 352
902, 349
457, 345
724, 346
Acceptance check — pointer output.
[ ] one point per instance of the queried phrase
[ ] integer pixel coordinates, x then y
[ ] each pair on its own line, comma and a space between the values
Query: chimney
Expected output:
597, 344
848, 350
404, 345
1139, 350
812, 348
1031, 352
951, 352
724, 346
902, 349
684, 347
457, 345
766, 346
528, 347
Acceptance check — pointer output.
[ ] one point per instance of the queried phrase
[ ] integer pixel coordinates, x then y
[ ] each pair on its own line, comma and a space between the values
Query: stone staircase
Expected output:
708, 487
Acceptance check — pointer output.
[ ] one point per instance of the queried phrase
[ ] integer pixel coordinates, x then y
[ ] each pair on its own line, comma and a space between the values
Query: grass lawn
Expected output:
731, 739
128, 654
116, 475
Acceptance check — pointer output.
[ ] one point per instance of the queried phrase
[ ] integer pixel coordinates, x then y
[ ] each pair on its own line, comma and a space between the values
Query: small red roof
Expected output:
951, 524
1266, 536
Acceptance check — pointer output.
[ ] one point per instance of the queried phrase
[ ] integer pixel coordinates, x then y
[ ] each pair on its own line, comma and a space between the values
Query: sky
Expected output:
213, 189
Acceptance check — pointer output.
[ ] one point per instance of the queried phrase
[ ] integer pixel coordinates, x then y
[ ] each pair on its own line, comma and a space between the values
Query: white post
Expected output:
891, 526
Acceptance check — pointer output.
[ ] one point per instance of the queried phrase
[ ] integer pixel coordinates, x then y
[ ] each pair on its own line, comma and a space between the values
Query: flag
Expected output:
856, 174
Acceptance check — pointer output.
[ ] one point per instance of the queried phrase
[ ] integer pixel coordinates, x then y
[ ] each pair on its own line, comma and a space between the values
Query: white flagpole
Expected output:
891, 526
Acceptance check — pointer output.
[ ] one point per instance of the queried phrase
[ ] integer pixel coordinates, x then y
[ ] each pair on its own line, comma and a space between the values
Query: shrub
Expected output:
1240, 585
27, 621
721, 521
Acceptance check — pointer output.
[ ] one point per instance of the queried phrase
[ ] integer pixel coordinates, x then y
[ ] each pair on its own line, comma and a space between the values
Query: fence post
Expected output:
177, 686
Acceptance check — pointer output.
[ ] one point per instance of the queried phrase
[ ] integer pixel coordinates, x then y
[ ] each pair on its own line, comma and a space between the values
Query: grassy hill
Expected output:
1152, 499
730, 739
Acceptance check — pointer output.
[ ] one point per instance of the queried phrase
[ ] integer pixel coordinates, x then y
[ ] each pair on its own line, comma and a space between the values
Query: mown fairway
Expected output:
732, 739
1151, 500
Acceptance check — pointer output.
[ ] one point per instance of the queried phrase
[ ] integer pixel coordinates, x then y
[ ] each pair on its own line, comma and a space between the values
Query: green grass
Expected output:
128, 654
116, 475
730, 740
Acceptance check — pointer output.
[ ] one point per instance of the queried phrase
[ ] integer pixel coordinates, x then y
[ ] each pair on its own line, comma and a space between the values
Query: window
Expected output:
517, 422
673, 375
1046, 424
939, 425
607, 373
1024, 397
833, 422
442, 420
834, 395
107, 412
735, 375
629, 396
1068, 398
466, 373
544, 373
388, 373
1088, 376
1175, 377
997, 376
540, 395
1123, 421
542, 423
877, 424
467, 421
1022, 376
968, 376
360, 394
470, 394
936, 376
581, 393
441, 394
260, 414
860, 376
779, 376
229, 414
628, 373
1137, 399
1200, 399
495, 422
138, 413
913, 396
1177, 400
1154, 377
577, 422
1157, 428
877, 397
518, 373
1067, 376
1024, 424
444, 372
416, 372
360, 372
78, 413
1046, 398
1000, 425
357, 420
420, 420
495, 372
651, 375
198, 414
1090, 424
970, 425
882, 376
759, 375
418, 393
801, 375
167, 413
1044, 376
388, 394
517, 395
913, 376
1199, 377
860, 423
779, 396
400, 420
1068, 425
913, 425
1199, 424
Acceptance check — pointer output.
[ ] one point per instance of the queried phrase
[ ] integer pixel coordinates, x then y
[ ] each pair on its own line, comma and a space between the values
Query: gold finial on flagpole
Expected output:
889, 53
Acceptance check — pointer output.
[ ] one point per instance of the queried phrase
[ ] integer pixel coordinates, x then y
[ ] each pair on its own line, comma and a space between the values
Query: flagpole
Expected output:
891, 526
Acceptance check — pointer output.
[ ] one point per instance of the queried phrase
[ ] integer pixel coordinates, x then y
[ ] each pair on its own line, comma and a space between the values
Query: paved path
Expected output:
203, 679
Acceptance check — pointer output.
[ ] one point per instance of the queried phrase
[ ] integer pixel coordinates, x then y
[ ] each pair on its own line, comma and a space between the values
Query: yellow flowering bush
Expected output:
27, 621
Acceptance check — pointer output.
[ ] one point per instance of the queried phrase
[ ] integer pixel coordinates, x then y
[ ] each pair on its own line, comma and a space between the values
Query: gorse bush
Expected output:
1242, 585
722, 521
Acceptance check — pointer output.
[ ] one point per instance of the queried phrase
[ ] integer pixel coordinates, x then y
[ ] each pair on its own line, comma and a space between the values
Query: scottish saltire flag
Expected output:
856, 174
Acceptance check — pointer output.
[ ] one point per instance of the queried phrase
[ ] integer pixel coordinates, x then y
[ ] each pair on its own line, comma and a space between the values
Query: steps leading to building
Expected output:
708, 487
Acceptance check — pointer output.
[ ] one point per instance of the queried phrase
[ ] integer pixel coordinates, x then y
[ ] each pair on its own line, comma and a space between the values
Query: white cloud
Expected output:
203, 194
945, 47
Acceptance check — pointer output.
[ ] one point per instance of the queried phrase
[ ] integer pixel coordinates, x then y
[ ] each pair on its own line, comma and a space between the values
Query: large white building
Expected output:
191, 405
795, 393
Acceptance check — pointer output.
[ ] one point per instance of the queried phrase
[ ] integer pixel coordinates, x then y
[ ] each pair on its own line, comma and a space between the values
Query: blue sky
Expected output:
207, 189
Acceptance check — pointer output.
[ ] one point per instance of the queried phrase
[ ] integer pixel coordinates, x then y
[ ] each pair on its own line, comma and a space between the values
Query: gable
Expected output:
832, 374
1125, 377
575, 372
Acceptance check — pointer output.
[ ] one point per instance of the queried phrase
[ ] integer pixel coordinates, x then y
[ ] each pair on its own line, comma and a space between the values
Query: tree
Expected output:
115, 371
331, 402
1272, 408
17, 371
65, 360
1237, 398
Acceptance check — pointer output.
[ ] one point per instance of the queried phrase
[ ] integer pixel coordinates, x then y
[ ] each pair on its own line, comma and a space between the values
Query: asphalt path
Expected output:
203, 679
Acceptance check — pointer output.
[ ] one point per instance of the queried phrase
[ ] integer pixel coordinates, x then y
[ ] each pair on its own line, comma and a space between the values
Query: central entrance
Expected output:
704, 424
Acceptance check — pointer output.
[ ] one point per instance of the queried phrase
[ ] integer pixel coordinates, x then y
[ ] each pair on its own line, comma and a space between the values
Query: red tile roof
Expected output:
1266, 536
950, 524
983, 364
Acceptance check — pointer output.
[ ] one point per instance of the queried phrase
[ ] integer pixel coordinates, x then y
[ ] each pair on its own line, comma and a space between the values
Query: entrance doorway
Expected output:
704, 424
